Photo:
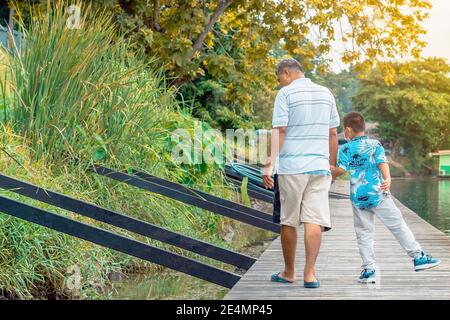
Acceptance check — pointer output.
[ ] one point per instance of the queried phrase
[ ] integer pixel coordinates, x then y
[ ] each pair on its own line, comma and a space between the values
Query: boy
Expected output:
370, 181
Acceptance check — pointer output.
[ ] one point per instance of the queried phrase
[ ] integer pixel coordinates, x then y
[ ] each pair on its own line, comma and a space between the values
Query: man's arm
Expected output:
385, 172
276, 143
333, 146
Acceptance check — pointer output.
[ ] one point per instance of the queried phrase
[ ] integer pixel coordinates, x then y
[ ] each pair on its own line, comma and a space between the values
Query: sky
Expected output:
438, 26
437, 37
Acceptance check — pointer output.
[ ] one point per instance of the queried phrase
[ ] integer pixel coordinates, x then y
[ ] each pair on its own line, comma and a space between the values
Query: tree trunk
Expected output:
197, 46
127, 7
155, 21
223, 4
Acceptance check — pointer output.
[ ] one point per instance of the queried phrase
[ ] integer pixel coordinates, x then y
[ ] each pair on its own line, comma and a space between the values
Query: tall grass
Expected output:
77, 96
73, 86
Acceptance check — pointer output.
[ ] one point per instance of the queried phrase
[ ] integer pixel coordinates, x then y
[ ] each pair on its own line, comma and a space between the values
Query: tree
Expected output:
413, 113
233, 43
344, 85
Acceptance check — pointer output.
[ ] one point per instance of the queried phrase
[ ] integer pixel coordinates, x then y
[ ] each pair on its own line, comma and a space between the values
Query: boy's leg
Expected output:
363, 221
392, 218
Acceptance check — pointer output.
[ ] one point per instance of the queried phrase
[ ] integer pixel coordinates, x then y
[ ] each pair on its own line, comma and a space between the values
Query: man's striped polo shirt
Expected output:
309, 111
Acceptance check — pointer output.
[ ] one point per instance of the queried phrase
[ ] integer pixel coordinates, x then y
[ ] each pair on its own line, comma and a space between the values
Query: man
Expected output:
304, 139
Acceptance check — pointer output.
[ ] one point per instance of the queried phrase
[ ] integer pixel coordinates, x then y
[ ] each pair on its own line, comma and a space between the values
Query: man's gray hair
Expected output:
289, 64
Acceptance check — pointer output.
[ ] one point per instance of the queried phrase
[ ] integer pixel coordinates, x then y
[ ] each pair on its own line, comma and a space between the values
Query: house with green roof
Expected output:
444, 162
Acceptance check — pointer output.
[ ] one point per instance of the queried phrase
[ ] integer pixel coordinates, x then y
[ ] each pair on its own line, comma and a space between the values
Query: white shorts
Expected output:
304, 199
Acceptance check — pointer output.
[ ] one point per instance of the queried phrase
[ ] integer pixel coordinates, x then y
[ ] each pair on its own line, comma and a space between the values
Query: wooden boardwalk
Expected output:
338, 265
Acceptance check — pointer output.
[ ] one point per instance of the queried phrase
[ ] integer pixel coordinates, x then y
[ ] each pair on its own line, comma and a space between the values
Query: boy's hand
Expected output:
386, 185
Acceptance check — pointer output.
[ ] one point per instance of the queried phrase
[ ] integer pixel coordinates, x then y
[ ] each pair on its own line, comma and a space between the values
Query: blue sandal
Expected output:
276, 278
312, 284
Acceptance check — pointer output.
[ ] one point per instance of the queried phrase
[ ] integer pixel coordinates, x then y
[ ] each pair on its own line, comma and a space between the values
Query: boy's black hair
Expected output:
355, 120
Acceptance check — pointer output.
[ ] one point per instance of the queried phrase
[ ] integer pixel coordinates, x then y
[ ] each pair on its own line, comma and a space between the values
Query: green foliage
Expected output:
232, 45
244, 192
72, 98
344, 86
415, 111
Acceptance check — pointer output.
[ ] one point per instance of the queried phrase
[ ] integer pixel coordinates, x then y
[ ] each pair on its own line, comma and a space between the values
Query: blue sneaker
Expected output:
367, 276
425, 262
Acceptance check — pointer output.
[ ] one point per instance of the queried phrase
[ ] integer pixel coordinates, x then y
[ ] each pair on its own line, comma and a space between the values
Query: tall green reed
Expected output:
78, 88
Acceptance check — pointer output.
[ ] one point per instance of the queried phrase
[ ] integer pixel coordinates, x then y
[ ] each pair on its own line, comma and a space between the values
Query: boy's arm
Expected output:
342, 164
385, 172
381, 161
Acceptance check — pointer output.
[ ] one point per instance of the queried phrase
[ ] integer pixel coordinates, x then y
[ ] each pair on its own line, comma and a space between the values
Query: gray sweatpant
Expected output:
392, 218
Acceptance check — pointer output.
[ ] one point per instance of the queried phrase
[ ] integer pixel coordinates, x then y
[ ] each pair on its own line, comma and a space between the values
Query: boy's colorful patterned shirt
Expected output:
361, 157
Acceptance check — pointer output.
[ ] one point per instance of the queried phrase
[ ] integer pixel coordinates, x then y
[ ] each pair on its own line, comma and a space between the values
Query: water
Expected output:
165, 285
170, 285
428, 197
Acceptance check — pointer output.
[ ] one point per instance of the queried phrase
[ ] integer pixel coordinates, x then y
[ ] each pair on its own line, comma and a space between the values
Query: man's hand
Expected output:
386, 185
336, 172
267, 176
333, 172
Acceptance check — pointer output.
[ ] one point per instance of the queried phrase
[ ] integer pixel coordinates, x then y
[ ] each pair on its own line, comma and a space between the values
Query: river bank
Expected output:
174, 285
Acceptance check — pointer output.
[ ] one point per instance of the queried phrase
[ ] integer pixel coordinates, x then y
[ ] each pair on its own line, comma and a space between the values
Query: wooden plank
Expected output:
338, 264
188, 199
203, 195
119, 243
125, 222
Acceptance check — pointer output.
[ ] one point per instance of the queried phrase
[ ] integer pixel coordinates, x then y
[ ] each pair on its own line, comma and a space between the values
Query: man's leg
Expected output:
315, 216
313, 238
289, 246
291, 190
392, 218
